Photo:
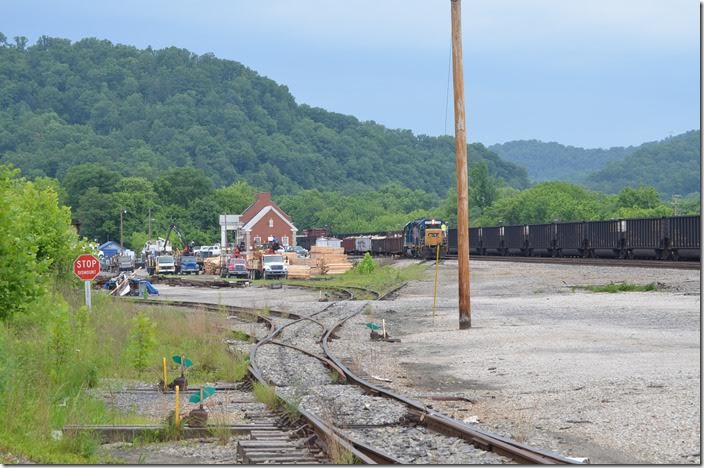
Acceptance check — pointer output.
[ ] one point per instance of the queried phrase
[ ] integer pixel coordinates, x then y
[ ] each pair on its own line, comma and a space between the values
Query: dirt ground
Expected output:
612, 377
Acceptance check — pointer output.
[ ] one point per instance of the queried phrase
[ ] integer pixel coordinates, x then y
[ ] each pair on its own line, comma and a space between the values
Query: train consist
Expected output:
670, 238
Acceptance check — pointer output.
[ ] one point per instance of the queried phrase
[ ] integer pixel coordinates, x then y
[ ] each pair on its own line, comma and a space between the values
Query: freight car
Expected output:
659, 238
423, 237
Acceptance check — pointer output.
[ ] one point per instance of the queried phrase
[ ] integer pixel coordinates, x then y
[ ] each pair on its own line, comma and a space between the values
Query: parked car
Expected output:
165, 264
210, 250
300, 251
188, 264
236, 267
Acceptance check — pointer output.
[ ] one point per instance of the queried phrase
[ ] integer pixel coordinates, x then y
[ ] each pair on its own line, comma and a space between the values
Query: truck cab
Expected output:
273, 266
165, 264
236, 267
187, 264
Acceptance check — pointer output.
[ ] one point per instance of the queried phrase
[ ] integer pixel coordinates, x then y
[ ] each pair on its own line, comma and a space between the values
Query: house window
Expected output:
284, 240
257, 240
271, 222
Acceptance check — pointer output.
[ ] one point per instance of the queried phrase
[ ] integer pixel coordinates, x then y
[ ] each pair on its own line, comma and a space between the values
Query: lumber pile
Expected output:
299, 271
211, 266
329, 260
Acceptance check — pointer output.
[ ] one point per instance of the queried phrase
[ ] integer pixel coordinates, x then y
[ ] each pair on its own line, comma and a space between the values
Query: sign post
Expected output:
86, 267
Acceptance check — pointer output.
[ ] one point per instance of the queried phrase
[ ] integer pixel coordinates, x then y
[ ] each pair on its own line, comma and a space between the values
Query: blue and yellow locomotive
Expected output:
423, 237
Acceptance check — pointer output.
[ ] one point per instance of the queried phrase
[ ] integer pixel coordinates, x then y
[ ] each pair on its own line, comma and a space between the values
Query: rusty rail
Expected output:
483, 439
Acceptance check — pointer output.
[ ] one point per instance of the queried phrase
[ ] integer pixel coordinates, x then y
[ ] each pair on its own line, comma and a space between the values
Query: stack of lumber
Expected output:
299, 271
292, 258
330, 260
211, 266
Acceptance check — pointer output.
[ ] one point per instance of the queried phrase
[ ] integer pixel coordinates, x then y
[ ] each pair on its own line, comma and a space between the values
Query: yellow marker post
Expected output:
177, 416
165, 375
435, 293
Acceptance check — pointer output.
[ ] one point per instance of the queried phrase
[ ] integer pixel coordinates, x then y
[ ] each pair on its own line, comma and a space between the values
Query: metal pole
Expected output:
150, 223
435, 290
461, 167
122, 249
87, 288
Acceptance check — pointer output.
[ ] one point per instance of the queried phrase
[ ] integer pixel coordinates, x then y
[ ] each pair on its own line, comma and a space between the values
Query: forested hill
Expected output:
138, 112
554, 161
671, 165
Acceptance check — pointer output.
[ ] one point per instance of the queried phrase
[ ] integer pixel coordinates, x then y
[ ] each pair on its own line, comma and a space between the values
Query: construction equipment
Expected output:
187, 247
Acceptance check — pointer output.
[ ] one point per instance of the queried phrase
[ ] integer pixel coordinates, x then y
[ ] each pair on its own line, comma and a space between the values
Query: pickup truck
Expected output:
187, 264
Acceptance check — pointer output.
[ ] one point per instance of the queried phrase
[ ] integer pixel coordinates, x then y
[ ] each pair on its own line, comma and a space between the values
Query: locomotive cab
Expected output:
423, 237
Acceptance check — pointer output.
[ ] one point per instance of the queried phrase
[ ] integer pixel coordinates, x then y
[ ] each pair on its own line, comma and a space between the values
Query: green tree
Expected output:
37, 241
482, 190
182, 185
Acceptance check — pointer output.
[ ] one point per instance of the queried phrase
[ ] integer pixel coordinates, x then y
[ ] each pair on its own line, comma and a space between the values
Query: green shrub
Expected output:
141, 342
367, 265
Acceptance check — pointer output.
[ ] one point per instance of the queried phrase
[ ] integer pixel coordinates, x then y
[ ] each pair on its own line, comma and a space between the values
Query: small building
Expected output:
264, 221
110, 249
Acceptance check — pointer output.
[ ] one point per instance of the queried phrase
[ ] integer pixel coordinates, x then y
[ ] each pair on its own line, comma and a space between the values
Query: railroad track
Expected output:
368, 418
342, 411
684, 265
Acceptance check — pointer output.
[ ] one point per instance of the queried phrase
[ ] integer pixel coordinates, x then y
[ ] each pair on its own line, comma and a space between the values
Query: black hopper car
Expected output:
670, 238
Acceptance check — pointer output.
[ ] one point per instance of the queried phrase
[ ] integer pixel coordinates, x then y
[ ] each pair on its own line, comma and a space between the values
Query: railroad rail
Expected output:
486, 440
628, 263
421, 414
328, 433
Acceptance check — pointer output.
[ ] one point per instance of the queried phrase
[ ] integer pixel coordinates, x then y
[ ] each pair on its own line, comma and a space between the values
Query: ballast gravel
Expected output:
285, 367
419, 445
345, 405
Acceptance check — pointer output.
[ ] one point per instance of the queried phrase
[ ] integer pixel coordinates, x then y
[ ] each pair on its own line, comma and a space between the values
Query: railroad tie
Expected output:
274, 451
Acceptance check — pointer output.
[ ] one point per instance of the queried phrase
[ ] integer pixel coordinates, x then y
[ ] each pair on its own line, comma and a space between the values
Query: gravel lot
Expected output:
612, 377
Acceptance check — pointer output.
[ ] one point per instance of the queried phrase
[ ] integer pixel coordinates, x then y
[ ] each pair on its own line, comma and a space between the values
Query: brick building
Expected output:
264, 220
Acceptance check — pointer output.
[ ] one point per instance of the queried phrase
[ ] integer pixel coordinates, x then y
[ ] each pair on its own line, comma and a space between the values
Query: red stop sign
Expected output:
86, 267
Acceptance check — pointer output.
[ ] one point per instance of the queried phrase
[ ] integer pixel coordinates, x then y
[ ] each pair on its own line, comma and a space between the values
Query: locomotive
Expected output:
424, 237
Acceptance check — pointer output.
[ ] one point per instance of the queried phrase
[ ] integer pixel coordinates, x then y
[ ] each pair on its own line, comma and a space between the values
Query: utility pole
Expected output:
122, 212
461, 167
150, 224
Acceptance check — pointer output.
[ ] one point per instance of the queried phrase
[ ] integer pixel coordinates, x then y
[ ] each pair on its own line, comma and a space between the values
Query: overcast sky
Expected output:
594, 73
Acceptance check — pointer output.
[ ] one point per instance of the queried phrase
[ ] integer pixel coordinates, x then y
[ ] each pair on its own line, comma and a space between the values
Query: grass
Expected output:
621, 287
55, 354
381, 280
265, 394
239, 335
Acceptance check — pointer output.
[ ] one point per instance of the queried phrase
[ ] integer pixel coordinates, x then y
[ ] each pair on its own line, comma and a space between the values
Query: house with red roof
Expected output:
264, 221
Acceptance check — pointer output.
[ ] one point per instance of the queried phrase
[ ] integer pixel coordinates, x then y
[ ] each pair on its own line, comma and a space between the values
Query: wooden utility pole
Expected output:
461, 167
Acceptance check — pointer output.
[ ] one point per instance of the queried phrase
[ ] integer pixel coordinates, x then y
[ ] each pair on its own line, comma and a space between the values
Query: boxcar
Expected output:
493, 240
378, 245
644, 237
475, 241
605, 238
515, 240
541, 239
683, 237
348, 244
363, 244
393, 245
571, 240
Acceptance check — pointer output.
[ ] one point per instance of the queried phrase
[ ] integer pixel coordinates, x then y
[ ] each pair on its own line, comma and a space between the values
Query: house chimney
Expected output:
263, 197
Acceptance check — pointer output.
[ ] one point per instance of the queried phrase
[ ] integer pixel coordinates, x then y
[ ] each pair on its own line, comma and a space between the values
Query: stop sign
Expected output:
86, 267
